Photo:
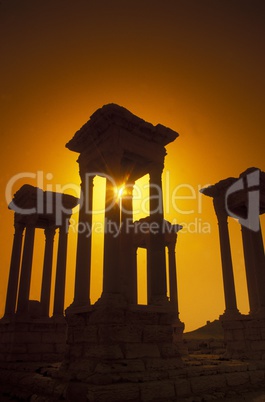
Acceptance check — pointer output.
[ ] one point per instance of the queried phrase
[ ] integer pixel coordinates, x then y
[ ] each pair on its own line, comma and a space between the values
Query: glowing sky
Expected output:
194, 66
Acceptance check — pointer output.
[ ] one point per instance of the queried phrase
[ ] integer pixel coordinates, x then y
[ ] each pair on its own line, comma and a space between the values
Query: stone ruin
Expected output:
242, 198
116, 349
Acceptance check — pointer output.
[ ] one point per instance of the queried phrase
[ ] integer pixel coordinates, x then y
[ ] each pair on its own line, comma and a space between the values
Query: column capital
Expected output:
49, 231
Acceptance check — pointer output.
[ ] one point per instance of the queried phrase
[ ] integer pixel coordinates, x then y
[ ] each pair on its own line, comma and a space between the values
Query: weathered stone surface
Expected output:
205, 384
122, 366
157, 333
163, 364
120, 333
256, 376
103, 351
157, 390
182, 387
113, 393
86, 334
141, 317
106, 315
139, 350
237, 378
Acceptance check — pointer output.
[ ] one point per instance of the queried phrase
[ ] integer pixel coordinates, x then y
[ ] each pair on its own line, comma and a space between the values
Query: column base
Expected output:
76, 308
231, 315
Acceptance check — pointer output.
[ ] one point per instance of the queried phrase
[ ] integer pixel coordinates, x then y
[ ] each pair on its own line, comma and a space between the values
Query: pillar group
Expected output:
243, 199
31, 205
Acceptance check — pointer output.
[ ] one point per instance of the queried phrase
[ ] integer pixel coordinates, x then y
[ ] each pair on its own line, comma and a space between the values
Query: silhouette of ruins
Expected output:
242, 198
117, 349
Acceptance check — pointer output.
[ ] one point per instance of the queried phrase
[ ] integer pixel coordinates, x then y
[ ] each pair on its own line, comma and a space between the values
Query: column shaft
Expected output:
251, 274
227, 267
59, 291
127, 249
26, 268
111, 264
259, 261
47, 272
83, 253
157, 244
173, 290
12, 288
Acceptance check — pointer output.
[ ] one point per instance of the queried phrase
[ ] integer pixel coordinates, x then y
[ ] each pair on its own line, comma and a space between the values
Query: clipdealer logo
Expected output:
250, 183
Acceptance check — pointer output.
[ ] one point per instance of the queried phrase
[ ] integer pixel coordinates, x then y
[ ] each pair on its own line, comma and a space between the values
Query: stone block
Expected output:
235, 324
27, 337
75, 351
60, 348
157, 391
182, 387
169, 350
253, 334
235, 379
120, 333
86, 334
103, 351
157, 333
163, 364
258, 345
141, 317
106, 315
40, 348
121, 366
168, 318
114, 393
256, 376
238, 334
54, 337
19, 348
207, 383
76, 320
140, 350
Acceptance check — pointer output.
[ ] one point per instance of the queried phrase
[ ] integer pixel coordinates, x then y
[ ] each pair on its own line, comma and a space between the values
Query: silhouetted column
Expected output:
227, 267
47, 271
259, 260
26, 268
59, 291
83, 253
111, 264
251, 274
173, 292
157, 244
12, 288
127, 250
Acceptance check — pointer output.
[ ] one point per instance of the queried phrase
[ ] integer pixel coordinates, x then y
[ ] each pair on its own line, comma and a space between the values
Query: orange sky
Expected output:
194, 66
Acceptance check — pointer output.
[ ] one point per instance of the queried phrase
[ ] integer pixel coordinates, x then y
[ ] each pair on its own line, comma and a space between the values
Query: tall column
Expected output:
226, 258
83, 253
26, 268
173, 292
251, 274
127, 249
157, 243
12, 288
259, 261
47, 271
111, 263
59, 290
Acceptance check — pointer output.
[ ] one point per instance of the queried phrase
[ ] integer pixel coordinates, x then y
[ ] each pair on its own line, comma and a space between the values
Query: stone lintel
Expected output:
114, 115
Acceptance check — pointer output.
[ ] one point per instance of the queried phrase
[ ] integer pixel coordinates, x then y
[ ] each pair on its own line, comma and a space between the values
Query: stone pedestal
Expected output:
31, 340
245, 337
121, 346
